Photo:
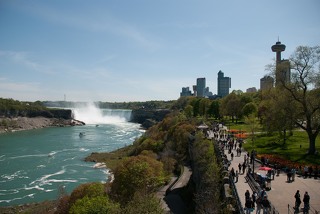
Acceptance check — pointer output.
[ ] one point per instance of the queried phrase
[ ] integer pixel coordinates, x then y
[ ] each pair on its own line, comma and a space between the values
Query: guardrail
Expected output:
236, 195
256, 187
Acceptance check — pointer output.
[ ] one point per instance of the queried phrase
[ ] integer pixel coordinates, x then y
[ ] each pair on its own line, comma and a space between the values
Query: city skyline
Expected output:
143, 50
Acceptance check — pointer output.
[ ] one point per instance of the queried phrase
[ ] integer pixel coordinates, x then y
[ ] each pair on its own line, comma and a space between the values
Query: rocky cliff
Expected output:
148, 117
49, 113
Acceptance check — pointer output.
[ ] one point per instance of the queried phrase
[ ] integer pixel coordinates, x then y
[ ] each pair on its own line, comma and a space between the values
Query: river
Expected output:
35, 165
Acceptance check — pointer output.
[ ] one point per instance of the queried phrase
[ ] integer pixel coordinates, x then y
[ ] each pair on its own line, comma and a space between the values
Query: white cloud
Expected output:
23, 58
94, 22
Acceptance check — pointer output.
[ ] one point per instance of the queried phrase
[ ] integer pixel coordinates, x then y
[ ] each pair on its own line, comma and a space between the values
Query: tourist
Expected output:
239, 166
248, 205
233, 174
316, 171
297, 201
306, 203
254, 197
237, 175
244, 167
265, 205
305, 169
231, 155
247, 194
293, 172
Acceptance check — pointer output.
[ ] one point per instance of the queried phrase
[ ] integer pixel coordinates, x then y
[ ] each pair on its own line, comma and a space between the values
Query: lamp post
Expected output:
253, 159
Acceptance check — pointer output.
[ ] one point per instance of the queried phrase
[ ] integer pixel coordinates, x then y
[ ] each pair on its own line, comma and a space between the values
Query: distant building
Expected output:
224, 83
251, 90
266, 83
207, 92
194, 88
185, 92
201, 86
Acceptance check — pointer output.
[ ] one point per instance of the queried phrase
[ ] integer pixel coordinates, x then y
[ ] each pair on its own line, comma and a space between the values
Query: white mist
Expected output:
91, 114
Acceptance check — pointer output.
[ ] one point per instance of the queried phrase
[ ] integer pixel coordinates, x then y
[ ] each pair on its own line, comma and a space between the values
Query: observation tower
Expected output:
278, 48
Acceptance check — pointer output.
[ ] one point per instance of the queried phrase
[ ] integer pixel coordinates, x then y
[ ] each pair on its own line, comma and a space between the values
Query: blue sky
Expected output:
140, 50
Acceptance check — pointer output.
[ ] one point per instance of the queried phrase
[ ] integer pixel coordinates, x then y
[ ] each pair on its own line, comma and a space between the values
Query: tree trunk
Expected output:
312, 143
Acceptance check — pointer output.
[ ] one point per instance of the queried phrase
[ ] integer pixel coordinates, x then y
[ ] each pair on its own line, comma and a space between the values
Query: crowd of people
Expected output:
258, 201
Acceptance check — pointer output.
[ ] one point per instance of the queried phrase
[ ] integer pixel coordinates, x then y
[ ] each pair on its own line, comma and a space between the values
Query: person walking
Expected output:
248, 205
247, 194
237, 176
265, 203
306, 203
297, 201
244, 167
254, 198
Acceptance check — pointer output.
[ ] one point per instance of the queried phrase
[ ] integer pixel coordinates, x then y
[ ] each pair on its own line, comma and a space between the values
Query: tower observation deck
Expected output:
278, 48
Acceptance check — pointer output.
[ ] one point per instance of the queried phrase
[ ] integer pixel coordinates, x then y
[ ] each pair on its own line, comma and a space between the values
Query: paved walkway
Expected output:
171, 202
282, 193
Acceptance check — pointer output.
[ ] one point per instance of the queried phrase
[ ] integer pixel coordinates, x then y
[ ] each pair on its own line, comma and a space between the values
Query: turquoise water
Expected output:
35, 164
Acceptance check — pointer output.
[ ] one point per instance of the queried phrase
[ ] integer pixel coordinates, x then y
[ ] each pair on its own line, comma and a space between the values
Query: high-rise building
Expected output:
251, 90
283, 72
266, 83
201, 86
224, 83
185, 92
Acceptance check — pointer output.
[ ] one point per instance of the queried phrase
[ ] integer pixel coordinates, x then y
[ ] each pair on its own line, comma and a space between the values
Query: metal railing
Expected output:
236, 195
256, 187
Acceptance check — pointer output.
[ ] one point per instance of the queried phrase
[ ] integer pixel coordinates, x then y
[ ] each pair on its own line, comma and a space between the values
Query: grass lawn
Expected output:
294, 149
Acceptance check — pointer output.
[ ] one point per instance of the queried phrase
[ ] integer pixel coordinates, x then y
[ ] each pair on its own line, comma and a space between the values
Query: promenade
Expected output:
282, 193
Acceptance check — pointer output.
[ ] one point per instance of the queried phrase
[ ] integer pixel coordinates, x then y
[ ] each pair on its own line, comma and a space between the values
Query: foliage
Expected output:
10, 105
94, 205
231, 105
143, 205
80, 198
206, 172
141, 174
115, 105
249, 108
295, 150
87, 189
303, 91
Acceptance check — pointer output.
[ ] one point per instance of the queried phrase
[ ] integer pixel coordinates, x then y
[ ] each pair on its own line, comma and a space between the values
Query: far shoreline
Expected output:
14, 124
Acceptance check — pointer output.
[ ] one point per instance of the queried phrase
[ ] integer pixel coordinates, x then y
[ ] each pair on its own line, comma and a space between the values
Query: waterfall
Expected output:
91, 114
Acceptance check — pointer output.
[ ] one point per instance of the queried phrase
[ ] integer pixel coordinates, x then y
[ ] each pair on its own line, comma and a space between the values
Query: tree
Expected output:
143, 205
214, 109
304, 90
277, 112
137, 174
249, 108
188, 111
95, 205
231, 105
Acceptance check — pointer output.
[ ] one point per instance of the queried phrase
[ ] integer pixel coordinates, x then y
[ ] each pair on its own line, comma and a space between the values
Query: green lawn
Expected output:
294, 149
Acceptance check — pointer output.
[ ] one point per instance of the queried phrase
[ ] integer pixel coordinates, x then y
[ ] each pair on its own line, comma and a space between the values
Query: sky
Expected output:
142, 50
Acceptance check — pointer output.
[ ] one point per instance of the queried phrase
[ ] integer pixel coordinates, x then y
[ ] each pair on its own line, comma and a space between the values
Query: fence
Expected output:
256, 187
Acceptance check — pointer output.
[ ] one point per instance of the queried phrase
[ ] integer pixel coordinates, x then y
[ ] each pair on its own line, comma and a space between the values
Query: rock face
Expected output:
14, 120
148, 117
50, 113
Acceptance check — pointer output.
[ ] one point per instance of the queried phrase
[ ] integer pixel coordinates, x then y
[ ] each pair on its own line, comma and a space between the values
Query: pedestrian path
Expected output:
282, 193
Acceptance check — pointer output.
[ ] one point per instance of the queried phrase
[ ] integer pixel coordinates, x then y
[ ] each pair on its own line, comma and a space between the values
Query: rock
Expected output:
148, 117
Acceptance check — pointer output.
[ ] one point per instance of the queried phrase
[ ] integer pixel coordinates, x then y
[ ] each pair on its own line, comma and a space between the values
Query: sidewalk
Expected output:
282, 193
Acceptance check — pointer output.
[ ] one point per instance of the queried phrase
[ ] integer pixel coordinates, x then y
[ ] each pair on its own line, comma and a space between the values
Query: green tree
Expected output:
231, 105
95, 205
249, 108
143, 205
140, 173
304, 90
213, 110
188, 111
